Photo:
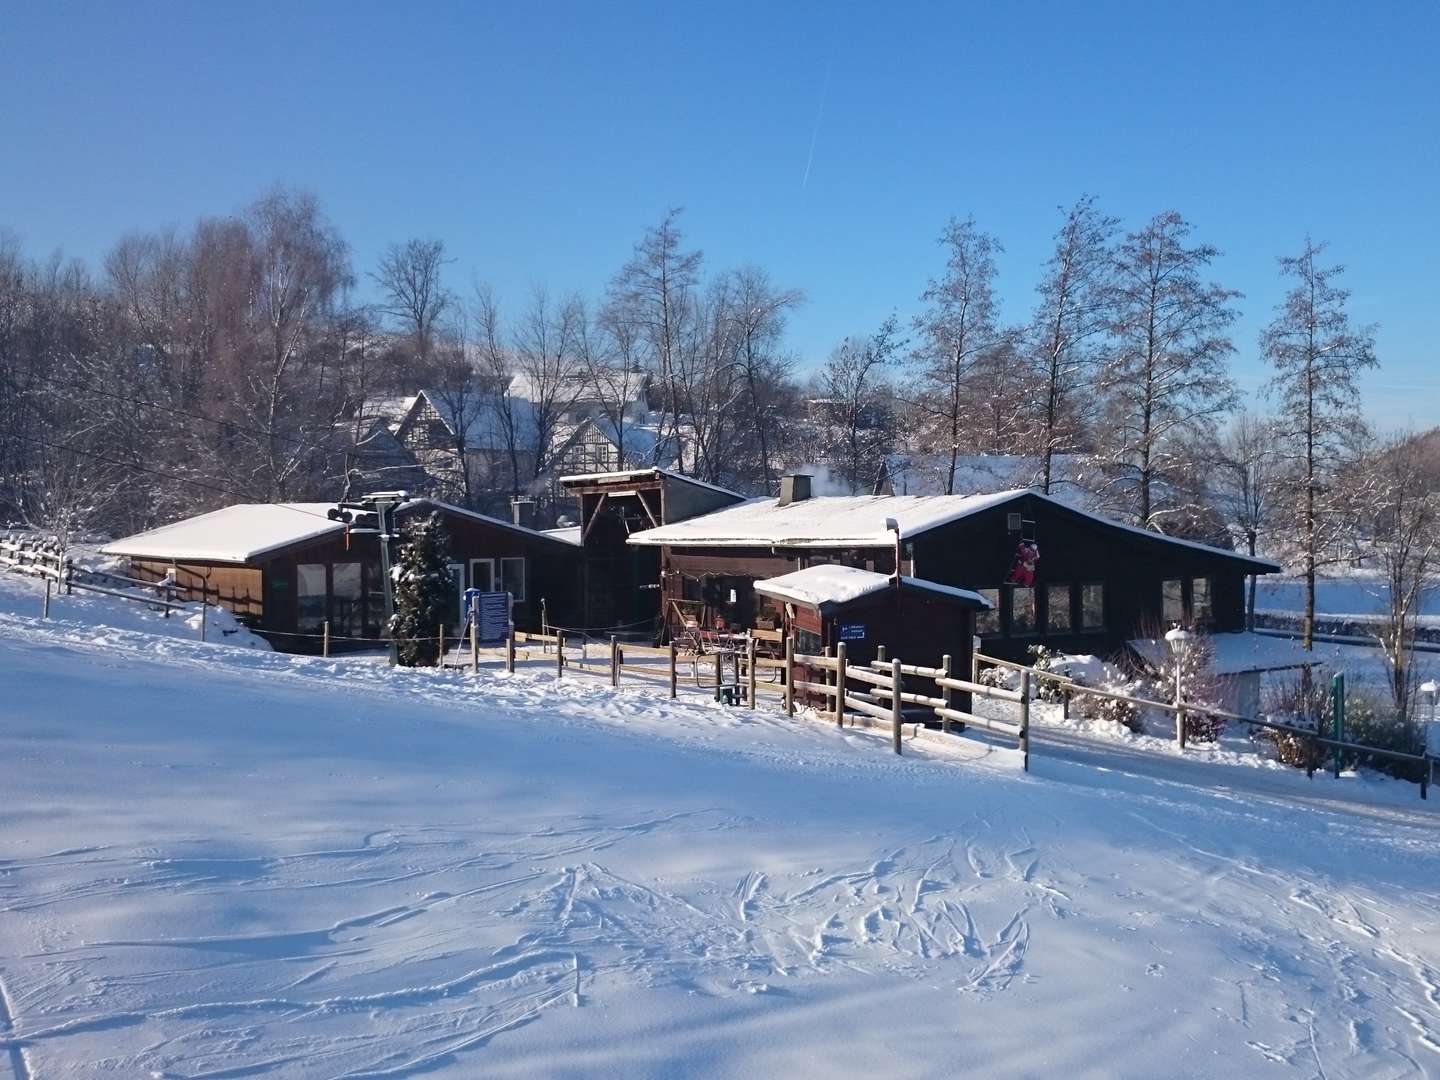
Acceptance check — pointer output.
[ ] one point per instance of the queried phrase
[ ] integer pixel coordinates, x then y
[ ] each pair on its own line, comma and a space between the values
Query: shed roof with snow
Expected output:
829, 585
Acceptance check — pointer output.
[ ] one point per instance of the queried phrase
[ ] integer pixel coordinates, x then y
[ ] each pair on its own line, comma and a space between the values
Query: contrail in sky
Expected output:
820, 116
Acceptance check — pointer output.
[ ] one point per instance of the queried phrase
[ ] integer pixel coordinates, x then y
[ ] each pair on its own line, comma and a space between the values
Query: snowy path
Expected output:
216, 863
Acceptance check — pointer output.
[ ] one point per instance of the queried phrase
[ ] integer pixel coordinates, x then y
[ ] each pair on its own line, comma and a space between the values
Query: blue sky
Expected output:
540, 139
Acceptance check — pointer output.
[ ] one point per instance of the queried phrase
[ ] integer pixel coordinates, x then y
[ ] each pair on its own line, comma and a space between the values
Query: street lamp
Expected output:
1431, 689
1179, 639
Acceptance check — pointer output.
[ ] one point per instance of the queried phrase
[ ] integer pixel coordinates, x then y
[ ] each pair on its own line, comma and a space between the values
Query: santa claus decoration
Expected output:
1022, 571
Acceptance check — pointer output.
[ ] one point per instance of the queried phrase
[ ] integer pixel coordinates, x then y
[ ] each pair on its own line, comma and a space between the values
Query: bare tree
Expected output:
1244, 484
1317, 357
1167, 379
410, 279
954, 331
757, 315
1072, 316
856, 414
656, 287
1403, 487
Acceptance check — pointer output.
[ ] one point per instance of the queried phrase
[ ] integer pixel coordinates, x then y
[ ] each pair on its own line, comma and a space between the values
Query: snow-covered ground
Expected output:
224, 862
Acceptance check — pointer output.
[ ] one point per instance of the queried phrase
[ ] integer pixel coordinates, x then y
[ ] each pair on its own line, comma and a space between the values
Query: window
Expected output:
1200, 600
482, 574
1092, 607
988, 622
1022, 610
807, 643
1057, 608
310, 598
347, 600
512, 578
1172, 602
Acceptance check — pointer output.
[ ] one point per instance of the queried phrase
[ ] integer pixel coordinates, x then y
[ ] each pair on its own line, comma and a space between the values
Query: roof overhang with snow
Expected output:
830, 585
622, 477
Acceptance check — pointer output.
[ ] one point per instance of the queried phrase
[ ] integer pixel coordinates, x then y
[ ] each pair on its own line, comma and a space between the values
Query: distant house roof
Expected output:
246, 531
1235, 654
622, 475
482, 418
570, 534
827, 584
846, 521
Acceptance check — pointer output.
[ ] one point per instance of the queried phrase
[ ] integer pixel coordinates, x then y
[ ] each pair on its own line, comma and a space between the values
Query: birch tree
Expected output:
1317, 357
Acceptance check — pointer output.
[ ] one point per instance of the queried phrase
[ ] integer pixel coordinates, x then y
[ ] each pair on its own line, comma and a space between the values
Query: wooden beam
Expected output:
590, 524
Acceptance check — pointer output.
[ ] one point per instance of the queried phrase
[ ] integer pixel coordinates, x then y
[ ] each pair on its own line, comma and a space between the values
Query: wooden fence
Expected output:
46, 558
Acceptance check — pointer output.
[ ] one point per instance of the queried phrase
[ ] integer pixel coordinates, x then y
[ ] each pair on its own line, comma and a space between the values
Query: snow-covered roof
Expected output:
1235, 654
246, 531
831, 521
235, 534
570, 534
482, 417
622, 475
829, 583
821, 521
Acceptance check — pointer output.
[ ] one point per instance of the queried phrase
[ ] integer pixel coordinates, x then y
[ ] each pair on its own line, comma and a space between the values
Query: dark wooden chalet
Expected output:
621, 580
917, 621
285, 569
1055, 575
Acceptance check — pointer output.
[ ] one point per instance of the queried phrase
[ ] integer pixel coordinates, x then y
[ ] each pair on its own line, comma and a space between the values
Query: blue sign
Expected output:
491, 612
852, 631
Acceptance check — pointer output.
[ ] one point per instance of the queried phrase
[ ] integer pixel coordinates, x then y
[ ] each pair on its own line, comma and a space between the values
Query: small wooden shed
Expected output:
919, 622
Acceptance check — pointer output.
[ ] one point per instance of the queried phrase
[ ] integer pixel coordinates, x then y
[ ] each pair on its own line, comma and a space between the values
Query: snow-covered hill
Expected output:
219, 862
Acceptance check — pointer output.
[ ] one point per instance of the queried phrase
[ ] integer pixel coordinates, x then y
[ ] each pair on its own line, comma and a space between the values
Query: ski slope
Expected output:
222, 863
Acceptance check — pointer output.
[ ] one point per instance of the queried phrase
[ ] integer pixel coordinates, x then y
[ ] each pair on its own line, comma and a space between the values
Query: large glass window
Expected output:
347, 600
1022, 610
1092, 606
1200, 601
1057, 608
1172, 602
310, 596
512, 578
988, 622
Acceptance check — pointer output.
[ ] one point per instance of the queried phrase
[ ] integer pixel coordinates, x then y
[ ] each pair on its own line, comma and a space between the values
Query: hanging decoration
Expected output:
1022, 570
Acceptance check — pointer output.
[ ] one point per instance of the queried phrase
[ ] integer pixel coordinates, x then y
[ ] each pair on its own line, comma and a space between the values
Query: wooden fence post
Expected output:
895, 712
719, 672
974, 666
880, 653
510, 649
204, 607
559, 653
475, 644
789, 675
674, 680
614, 660
945, 664
1065, 701
45, 608
440, 647
750, 670
1025, 719
325, 638
840, 685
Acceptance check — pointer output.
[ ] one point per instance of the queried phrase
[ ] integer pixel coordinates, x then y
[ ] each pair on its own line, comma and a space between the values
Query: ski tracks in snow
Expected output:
475, 933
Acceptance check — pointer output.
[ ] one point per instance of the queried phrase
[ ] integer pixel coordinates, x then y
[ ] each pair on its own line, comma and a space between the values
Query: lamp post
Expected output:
1179, 639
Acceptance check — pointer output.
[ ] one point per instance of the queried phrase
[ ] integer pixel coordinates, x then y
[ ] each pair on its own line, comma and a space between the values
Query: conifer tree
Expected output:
424, 593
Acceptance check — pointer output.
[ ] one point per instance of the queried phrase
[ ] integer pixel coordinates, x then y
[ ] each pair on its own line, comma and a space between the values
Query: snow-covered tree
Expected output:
1317, 356
424, 592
